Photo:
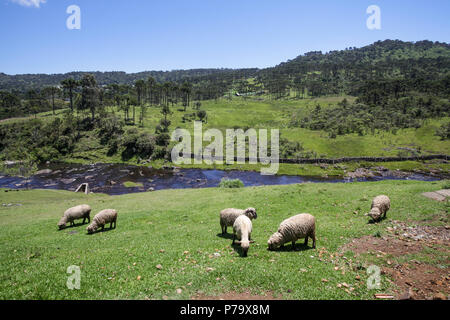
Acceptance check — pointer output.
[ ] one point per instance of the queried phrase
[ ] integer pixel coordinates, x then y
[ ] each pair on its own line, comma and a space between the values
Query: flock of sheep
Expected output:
83, 212
290, 230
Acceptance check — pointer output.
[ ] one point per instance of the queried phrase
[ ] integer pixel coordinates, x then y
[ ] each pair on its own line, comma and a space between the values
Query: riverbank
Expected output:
115, 179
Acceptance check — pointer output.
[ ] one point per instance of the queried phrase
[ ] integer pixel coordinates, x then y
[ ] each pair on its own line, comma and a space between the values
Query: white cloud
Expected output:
30, 3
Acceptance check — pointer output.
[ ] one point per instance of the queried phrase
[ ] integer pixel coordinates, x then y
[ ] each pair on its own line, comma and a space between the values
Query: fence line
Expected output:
340, 160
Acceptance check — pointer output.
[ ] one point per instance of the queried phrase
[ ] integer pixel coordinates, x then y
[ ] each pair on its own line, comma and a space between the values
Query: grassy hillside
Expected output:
264, 114
179, 230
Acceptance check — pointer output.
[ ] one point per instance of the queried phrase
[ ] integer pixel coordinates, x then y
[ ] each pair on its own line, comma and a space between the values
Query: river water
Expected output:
110, 178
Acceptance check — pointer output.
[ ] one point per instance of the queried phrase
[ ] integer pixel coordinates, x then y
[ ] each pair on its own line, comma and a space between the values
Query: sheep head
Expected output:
251, 213
92, 227
62, 223
245, 244
374, 213
275, 241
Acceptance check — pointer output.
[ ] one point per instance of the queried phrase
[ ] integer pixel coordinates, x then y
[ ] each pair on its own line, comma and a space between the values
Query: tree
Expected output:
186, 89
69, 86
150, 85
10, 105
202, 115
51, 93
89, 94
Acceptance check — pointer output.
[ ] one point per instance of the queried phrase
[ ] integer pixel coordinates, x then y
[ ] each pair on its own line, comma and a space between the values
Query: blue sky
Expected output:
139, 35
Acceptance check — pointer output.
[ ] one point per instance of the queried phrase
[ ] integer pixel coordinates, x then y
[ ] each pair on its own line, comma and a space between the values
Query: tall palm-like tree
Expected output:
51, 93
150, 86
70, 85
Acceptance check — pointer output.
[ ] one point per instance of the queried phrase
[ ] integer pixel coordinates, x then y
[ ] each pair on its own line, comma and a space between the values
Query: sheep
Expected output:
242, 230
228, 216
102, 218
75, 213
380, 206
294, 228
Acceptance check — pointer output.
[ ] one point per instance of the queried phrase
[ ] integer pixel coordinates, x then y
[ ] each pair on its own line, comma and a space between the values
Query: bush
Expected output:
231, 183
444, 131
162, 139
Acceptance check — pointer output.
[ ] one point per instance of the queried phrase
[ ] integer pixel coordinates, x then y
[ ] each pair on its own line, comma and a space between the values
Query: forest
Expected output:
384, 87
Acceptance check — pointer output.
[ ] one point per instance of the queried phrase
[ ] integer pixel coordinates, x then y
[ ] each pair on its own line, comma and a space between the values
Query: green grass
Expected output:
34, 255
131, 184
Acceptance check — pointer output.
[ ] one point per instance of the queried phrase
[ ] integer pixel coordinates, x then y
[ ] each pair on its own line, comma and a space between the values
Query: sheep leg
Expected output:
234, 238
306, 241
293, 245
103, 227
313, 236
110, 225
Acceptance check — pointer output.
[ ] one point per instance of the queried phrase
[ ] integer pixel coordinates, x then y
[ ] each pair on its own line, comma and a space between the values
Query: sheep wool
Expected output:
380, 206
229, 216
70, 215
294, 228
242, 230
102, 218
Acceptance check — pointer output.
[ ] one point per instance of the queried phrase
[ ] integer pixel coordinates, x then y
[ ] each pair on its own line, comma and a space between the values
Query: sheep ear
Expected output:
252, 241
237, 242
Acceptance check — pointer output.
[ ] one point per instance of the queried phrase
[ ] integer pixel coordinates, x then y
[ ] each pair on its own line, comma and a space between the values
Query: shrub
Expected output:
231, 183
444, 131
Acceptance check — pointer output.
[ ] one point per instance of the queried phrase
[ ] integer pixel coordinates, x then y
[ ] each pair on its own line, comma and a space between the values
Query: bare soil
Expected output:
413, 279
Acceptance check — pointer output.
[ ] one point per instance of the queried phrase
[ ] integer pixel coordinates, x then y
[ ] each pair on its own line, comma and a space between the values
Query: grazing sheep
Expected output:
380, 205
102, 218
294, 228
242, 229
70, 215
228, 216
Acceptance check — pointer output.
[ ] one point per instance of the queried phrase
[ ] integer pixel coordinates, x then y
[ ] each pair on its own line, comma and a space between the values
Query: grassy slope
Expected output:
34, 256
266, 114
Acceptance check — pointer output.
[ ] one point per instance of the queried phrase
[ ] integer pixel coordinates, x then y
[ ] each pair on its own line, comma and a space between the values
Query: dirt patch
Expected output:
413, 279
237, 296
422, 281
382, 246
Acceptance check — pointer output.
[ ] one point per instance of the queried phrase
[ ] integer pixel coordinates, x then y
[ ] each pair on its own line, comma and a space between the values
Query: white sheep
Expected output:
102, 218
228, 216
380, 206
70, 215
294, 228
242, 230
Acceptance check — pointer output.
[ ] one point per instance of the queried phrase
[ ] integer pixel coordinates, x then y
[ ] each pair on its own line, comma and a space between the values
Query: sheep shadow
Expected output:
299, 247
372, 221
101, 231
76, 225
225, 235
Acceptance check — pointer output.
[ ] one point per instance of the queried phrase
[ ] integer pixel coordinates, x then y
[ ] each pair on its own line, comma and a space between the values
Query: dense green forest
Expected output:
384, 87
